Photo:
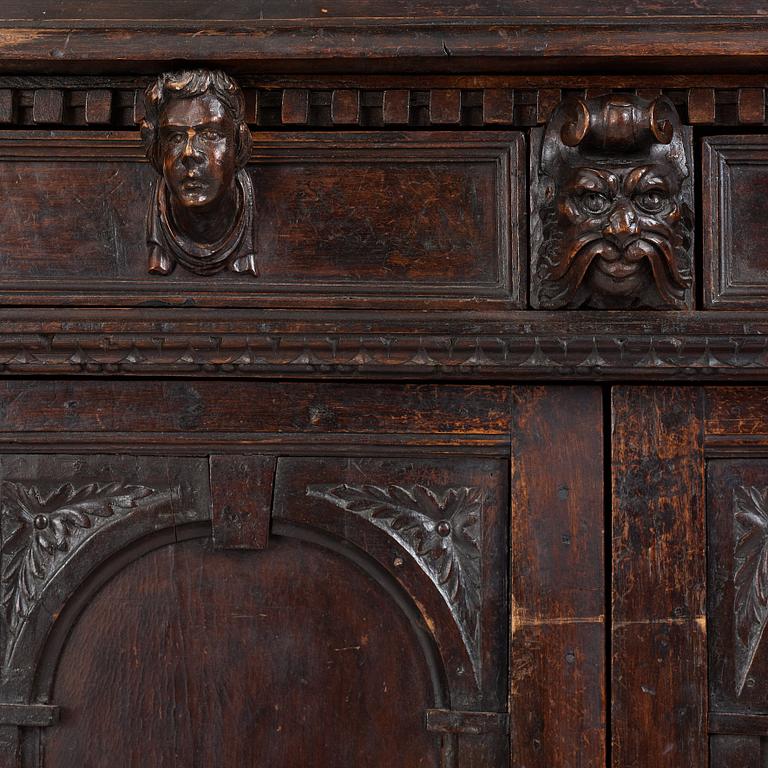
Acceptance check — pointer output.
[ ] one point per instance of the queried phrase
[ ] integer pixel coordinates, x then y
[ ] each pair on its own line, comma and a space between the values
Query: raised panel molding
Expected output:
340, 219
735, 170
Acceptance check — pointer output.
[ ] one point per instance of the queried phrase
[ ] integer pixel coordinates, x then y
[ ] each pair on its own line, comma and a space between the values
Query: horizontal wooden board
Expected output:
341, 219
244, 407
361, 10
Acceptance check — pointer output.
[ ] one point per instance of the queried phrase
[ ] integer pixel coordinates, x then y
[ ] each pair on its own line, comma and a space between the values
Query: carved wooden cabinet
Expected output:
383, 385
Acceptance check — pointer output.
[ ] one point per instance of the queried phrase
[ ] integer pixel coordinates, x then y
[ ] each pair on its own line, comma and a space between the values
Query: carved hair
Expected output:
187, 85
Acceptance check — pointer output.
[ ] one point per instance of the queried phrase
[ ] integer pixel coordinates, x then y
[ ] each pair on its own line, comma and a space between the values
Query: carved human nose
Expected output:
622, 223
190, 151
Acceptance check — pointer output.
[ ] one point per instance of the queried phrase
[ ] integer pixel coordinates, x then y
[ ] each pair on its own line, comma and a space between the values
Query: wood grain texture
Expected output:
421, 218
734, 226
241, 500
389, 101
120, 406
659, 657
521, 38
558, 701
735, 414
305, 614
736, 752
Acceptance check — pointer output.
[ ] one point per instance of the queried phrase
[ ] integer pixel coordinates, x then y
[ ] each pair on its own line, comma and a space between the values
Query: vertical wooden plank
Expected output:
445, 106
295, 109
557, 679
659, 649
241, 500
345, 107
751, 106
735, 752
701, 106
397, 107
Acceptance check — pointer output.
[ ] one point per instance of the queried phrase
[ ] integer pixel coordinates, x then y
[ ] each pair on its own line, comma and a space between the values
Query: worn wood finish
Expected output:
736, 752
241, 500
659, 651
307, 101
612, 205
558, 630
441, 224
520, 38
734, 168
531, 345
249, 408
245, 554
346, 646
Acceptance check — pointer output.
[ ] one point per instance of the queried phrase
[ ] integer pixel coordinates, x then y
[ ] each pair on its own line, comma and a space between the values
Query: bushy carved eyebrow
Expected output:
645, 177
594, 179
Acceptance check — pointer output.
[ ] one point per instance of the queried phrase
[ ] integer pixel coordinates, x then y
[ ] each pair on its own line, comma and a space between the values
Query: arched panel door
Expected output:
247, 610
198, 658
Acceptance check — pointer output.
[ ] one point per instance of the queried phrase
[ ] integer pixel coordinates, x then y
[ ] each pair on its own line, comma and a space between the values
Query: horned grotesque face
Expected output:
615, 232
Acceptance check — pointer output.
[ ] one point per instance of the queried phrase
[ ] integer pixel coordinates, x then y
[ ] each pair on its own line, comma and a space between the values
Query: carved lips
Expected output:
620, 232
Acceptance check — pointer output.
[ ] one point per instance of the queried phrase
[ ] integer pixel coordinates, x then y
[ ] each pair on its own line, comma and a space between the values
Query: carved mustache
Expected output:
657, 248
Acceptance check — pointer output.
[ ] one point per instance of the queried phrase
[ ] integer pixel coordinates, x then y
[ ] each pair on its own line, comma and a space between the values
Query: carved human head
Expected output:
615, 226
195, 134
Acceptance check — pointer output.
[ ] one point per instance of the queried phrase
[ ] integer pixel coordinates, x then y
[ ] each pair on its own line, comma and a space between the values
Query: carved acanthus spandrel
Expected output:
440, 529
750, 576
612, 200
42, 531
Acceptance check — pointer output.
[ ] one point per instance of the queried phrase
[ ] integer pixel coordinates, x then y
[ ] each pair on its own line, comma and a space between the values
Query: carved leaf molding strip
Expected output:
524, 355
41, 533
440, 529
750, 575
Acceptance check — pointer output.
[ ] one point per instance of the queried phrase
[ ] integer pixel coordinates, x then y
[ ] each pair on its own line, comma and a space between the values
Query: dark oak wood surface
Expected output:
302, 508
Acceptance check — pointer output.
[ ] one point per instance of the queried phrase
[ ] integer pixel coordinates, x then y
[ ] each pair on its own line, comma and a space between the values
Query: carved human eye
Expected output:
652, 200
594, 203
175, 138
211, 135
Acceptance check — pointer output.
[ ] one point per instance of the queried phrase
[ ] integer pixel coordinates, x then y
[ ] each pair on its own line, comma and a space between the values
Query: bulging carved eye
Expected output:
176, 138
594, 203
652, 201
212, 135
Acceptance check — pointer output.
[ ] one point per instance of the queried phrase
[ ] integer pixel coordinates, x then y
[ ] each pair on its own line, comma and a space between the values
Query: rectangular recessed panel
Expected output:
339, 219
735, 207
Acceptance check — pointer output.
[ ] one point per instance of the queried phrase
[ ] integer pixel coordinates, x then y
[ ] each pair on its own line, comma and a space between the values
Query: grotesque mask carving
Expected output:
201, 209
611, 199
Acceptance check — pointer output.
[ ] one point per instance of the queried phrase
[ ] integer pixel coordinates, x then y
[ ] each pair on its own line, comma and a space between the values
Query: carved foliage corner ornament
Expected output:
440, 529
750, 576
41, 532
615, 224
201, 209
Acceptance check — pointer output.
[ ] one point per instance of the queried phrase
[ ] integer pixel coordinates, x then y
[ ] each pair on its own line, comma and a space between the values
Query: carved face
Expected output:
198, 148
620, 233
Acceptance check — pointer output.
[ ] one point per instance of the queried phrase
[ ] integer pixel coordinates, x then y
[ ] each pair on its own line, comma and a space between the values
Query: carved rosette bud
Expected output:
611, 202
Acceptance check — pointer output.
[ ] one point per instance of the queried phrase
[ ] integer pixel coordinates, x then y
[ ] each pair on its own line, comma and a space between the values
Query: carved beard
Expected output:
615, 240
